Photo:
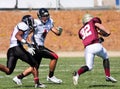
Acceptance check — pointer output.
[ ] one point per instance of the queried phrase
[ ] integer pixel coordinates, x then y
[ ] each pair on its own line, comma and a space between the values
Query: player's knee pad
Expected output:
85, 68
55, 56
106, 63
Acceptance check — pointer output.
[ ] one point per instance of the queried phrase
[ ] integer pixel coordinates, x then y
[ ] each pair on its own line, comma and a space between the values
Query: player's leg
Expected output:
11, 62
38, 59
52, 67
4, 68
89, 59
32, 69
106, 65
51, 76
47, 53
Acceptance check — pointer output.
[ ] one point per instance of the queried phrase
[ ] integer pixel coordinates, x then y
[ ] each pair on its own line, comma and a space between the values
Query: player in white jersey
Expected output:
42, 26
17, 51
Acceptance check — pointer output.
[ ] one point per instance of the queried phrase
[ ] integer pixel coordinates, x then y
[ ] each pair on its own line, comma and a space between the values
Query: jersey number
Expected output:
86, 31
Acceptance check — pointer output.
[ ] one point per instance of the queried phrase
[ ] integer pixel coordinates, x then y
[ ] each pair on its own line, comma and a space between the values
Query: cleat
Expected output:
111, 79
40, 85
54, 80
75, 78
17, 80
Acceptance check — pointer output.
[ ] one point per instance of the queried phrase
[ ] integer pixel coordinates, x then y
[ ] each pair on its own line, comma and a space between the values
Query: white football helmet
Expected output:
86, 18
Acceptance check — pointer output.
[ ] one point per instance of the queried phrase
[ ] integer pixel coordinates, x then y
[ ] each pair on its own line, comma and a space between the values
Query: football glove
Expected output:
103, 33
31, 49
60, 30
23, 41
101, 39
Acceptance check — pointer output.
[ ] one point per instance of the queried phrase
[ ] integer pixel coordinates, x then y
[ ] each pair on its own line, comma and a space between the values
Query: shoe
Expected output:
75, 78
111, 79
17, 80
54, 79
40, 85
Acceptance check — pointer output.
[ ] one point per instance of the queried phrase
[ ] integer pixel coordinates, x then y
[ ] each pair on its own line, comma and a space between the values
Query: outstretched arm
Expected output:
57, 31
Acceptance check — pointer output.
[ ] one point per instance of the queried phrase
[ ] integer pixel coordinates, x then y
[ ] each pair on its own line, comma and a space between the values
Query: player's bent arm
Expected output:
28, 39
57, 31
102, 30
19, 36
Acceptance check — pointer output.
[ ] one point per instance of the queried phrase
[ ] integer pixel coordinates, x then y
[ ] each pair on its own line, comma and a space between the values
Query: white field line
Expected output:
72, 54
40, 69
81, 54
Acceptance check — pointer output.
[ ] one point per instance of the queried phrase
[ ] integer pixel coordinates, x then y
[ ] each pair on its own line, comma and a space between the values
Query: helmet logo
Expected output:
45, 13
28, 19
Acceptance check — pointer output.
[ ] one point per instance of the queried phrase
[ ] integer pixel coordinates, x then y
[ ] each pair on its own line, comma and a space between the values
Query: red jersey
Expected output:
88, 33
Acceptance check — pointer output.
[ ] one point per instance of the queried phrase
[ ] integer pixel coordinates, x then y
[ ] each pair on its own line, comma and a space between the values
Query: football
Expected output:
103, 33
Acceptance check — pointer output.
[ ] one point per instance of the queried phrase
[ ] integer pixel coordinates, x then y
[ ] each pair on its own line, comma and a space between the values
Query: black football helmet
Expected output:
43, 12
28, 19
43, 15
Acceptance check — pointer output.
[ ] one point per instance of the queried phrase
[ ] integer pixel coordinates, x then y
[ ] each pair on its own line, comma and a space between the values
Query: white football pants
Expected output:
91, 51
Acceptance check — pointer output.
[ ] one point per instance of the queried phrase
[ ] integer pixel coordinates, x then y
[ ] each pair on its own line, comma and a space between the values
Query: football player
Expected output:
43, 25
16, 50
92, 26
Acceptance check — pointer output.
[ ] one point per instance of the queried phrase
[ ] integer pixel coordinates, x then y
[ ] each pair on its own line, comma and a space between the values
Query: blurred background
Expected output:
58, 4
65, 13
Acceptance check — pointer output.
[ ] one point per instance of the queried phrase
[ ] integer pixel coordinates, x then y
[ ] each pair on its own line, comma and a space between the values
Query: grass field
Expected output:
94, 79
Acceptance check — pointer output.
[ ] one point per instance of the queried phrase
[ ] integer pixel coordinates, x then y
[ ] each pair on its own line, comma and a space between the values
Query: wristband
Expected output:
23, 41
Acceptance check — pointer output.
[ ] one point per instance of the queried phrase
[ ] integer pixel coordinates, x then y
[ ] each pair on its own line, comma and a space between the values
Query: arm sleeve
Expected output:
97, 20
22, 26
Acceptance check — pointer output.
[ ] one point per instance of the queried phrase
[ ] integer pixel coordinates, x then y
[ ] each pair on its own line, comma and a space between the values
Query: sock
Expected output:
107, 72
51, 73
36, 80
106, 66
83, 70
21, 76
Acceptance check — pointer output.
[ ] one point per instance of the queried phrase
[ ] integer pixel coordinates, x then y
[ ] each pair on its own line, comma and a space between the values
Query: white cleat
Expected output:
17, 80
75, 78
54, 80
40, 85
111, 79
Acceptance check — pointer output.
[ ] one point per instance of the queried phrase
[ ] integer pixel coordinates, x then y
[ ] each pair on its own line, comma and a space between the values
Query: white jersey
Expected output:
41, 31
20, 26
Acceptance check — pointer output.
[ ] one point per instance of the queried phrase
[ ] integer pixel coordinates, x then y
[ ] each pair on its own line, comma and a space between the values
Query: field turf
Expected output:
94, 79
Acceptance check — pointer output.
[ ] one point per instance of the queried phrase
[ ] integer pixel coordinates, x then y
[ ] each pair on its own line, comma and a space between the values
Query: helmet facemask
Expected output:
29, 21
43, 15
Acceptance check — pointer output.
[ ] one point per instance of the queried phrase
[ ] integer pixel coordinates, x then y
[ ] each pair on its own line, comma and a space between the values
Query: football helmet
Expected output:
43, 15
28, 19
86, 18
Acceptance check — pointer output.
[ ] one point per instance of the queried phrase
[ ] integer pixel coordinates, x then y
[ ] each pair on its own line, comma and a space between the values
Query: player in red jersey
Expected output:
89, 33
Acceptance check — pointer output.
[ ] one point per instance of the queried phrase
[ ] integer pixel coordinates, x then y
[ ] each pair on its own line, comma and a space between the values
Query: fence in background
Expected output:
58, 4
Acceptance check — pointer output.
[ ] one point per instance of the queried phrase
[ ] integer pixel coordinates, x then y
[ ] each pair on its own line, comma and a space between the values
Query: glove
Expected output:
103, 33
23, 41
101, 39
31, 50
60, 30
